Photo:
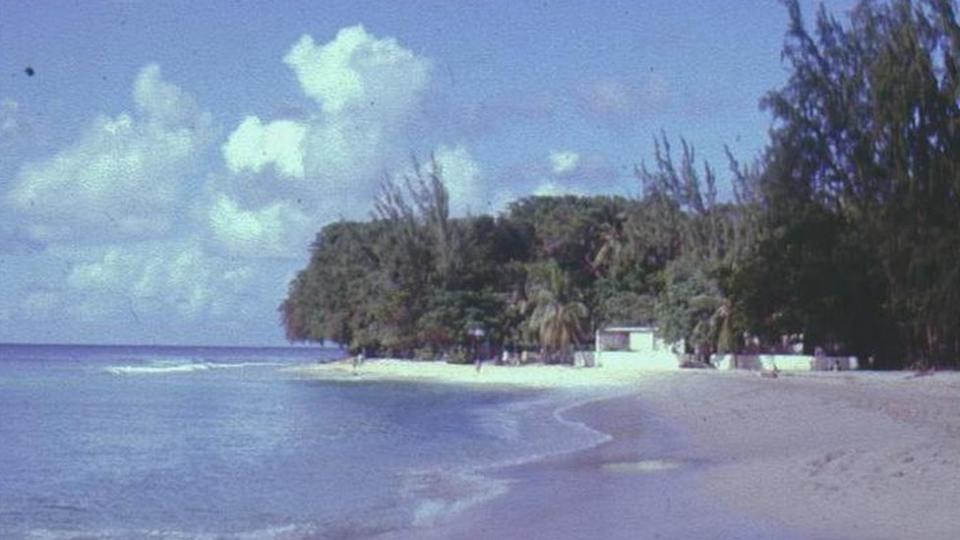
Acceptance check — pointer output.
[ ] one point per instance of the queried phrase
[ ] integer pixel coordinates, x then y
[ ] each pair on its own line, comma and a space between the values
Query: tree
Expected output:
691, 308
557, 316
813, 276
846, 228
866, 127
713, 239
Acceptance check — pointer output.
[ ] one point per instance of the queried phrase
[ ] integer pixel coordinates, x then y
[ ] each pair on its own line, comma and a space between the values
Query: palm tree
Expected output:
609, 254
713, 332
557, 316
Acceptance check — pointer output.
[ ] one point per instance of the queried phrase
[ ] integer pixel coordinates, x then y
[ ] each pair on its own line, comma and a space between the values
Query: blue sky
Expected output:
166, 165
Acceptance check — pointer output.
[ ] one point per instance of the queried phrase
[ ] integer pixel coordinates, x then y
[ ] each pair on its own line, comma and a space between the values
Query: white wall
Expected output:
661, 360
785, 362
641, 341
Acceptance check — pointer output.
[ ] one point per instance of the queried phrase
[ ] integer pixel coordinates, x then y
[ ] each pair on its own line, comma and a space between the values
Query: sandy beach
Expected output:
722, 455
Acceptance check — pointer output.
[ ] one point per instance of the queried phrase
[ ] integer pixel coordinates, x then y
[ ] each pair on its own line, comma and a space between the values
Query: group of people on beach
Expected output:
506, 359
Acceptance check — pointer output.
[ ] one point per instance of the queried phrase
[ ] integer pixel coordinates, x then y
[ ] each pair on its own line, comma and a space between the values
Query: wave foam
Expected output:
441, 493
153, 369
160, 368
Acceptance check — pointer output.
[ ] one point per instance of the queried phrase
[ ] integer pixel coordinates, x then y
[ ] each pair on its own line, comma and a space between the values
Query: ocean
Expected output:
207, 443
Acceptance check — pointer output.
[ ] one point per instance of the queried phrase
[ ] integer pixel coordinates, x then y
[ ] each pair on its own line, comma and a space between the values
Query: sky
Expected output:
164, 166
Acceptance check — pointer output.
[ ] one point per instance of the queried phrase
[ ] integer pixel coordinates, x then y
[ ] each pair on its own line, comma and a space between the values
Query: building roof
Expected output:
627, 329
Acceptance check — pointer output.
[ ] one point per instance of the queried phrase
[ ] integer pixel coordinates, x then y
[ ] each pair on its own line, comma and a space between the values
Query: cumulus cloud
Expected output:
332, 158
358, 71
156, 279
585, 175
162, 103
254, 145
463, 179
121, 178
462, 175
276, 230
564, 162
364, 88
552, 188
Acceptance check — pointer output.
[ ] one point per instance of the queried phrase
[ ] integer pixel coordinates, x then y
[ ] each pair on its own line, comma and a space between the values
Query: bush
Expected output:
459, 356
424, 353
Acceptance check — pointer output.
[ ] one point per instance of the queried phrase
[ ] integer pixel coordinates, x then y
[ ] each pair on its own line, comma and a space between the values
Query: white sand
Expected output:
849, 456
841, 455
531, 376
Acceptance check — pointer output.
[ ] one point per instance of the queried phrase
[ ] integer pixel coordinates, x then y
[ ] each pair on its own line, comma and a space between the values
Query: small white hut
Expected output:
634, 347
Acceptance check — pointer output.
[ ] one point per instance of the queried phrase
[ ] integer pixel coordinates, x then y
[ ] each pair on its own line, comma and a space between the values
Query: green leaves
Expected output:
558, 317
867, 131
687, 307
846, 230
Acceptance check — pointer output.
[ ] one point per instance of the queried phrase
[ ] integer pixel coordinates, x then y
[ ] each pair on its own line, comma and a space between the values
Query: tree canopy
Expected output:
845, 231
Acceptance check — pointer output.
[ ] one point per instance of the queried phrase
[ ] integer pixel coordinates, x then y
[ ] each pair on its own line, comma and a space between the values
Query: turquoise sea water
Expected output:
161, 442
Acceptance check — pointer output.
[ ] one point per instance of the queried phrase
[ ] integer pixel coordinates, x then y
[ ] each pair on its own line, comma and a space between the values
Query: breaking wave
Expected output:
165, 367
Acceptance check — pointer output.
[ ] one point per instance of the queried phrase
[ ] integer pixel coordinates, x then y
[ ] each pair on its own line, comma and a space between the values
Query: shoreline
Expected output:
535, 376
632, 485
445, 495
806, 455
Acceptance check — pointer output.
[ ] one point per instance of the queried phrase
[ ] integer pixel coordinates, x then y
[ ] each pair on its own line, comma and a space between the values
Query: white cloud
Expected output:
564, 162
161, 102
276, 230
103, 274
358, 71
347, 153
155, 279
463, 178
462, 175
550, 188
366, 88
254, 145
335, 156
121, 178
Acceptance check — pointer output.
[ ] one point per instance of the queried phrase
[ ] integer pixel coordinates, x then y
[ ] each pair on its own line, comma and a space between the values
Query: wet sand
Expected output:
637, 485
728, 455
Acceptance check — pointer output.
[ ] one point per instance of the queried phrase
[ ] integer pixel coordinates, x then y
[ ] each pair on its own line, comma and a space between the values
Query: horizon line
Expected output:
181, 345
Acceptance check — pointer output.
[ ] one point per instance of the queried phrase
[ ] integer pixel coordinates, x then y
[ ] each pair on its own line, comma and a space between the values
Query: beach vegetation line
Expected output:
844, 234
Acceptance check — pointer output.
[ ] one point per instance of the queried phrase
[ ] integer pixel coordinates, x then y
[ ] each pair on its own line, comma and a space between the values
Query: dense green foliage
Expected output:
846, 231
859, 186
415, 281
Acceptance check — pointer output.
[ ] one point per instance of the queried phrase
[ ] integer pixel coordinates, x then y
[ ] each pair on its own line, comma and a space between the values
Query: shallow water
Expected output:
639, 484
146, 442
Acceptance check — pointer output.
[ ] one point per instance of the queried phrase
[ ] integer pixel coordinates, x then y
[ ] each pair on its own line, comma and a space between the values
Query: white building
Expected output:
784, 362
633, 347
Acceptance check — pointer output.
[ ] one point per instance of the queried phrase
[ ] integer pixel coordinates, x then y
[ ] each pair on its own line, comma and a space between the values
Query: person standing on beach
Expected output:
358, 361
478, 363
